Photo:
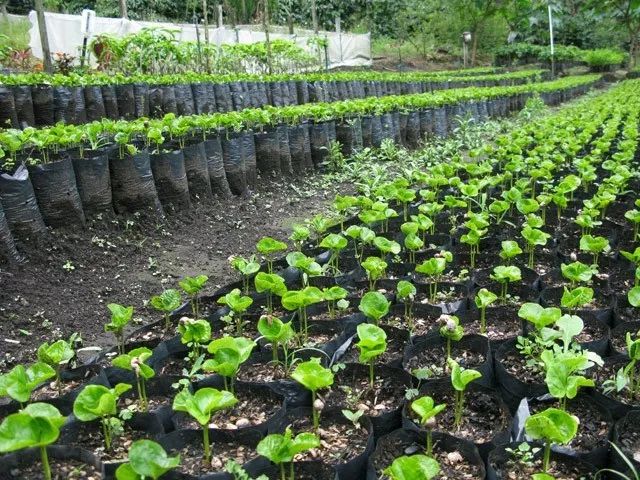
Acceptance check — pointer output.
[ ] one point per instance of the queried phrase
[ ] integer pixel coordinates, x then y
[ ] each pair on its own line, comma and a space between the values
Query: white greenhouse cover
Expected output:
65, 36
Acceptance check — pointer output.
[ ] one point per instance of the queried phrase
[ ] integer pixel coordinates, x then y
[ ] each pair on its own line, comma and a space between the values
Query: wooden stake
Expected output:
265, 22
44, 38
314, 16
205, 17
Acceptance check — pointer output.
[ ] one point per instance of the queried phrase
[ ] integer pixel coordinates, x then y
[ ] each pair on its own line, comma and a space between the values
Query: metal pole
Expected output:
553, 61
44, 38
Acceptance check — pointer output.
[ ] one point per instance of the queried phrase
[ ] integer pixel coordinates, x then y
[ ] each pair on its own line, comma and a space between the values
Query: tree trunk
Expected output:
44, 38
474, 46
265, 22
123, 9
243, 7
290, 22
314, 16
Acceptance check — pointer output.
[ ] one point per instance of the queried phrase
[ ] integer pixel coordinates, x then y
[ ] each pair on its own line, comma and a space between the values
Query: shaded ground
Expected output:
66, 284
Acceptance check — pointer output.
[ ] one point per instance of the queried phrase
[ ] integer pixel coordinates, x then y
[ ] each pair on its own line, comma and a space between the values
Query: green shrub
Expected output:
603, 57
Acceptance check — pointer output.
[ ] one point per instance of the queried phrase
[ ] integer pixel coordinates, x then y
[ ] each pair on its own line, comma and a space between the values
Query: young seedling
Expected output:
135, 361
552, 426
473, 238
505, 275
578, 272
483, 299
406, 293
405, 196
562, 373
578, 297
374, 305
192, 286
56, 355
460, 380
534, 238
433, 269
229, 354
194, 333
238, 304
268, 247
595, 246
634, 217
20, 382
147, 460
300, 300
307, 265
278, 333
335, 243
313, 376
283, 448
372, 342
418, 467
375, 268
299, 235
167, 302
336, 299
97, 402
120, 318
246, 267
412, 242
201, 405
386, 247
272, 284
510, 250
451, 331
36, 426
628, 376
426, 408
353, 416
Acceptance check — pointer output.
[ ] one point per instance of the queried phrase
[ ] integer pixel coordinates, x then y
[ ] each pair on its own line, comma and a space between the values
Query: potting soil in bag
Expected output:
20, 206
302, 91
365, 126
376, 131
285, 149
155, 101
110, 99
215, 164
8, 114
275, 97
412, 138
126, 101
63, 105
23, 105
184, 99
170, 178
94, 182
250, 158
237, 95
42, 96
308, 158
296, 148
223, 97
55, 187
440, 122
319, 143
195, 164
344, 134
141, 96
168, 99
132, 183
8, 251
386, 121
234, 162
268, 153
202, 100
94, 104
426, 122
79, 107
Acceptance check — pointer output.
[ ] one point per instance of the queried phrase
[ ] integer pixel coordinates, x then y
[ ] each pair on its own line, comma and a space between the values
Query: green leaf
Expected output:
312, 375
552, 425
120, 317
537, 315
149, 459
484, 298
461, 377
576, 298
372, 342
167, 301
275, 330
203, 403
57, 353
268, 245
36, 426
20, 381
634, 297
270, 282
374, 305
193, 285
236, 301
194, 331
426, 408
334, 241
405, 290
415, 467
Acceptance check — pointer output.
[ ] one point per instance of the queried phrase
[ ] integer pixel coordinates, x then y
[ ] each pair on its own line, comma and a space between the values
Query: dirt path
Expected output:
66, 284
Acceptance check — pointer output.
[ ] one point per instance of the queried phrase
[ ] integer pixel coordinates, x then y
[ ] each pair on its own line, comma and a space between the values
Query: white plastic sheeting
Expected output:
64, 31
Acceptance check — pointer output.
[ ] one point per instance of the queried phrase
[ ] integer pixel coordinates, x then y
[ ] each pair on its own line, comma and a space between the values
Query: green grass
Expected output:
14, 33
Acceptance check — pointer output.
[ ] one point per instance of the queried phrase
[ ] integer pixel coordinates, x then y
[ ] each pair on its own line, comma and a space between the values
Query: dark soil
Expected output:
608, 372
453, 466
191, 456
351, 389
60, 470
502, 323
516, 364
513, 470
630, 442
127, 263
90, 437
395, 349
481, 421
261, 372
434, 359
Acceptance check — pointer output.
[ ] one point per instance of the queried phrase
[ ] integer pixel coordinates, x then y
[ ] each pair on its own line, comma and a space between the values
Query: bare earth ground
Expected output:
127, 260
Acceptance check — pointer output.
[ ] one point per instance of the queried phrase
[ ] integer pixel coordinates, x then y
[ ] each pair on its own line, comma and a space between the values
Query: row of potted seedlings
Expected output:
376, 347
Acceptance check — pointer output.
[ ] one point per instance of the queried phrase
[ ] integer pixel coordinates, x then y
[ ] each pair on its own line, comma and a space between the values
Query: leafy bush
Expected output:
603, 57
